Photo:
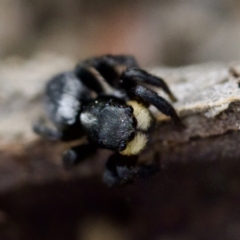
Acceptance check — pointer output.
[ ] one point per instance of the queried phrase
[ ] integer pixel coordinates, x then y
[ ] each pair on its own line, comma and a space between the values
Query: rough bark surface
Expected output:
199, 164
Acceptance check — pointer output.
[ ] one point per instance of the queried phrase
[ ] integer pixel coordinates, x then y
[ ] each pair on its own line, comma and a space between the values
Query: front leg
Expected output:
78, 154
72, 132
107, 66
128, 61
149, 96
120, 170
139, 75
43, 130
160, 103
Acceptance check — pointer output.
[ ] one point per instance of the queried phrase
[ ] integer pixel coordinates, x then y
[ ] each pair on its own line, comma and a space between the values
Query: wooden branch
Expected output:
208, 103
197, 187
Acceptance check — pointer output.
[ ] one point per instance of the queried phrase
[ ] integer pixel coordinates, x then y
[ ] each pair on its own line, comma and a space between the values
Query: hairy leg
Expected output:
120, 170
41, 129
78, 154
107, 65
139, 75
73, 132
150, 97
160, 103
88, 78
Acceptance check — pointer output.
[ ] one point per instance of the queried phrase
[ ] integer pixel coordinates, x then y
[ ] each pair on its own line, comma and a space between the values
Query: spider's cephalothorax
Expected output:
103, 99
111, 123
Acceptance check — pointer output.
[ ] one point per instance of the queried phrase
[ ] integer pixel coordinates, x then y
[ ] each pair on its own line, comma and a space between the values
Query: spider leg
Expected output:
41, 129
77, 154
116, 163
121, 169
113, 60
68, 134
139, 75
107, 65
149, 96
88, 78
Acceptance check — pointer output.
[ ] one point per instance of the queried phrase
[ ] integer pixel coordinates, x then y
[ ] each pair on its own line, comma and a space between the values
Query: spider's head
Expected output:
114, 125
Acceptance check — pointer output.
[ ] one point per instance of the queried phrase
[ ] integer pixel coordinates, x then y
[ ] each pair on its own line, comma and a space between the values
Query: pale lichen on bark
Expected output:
208, 98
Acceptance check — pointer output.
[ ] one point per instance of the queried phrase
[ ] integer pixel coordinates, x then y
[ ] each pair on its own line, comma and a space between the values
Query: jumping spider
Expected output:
103, 99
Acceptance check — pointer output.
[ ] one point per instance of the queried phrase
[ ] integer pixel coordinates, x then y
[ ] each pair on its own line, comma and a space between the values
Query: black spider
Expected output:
103, 99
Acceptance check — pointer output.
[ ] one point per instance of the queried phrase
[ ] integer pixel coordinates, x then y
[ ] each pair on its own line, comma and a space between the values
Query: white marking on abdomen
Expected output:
142, 114
136, 145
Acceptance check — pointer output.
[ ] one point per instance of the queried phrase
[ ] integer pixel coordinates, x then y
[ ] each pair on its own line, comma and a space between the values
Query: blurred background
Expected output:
176, 32
189, 201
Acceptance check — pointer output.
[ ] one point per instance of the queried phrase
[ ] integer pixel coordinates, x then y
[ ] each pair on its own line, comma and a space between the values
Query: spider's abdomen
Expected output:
109, 123
63, 98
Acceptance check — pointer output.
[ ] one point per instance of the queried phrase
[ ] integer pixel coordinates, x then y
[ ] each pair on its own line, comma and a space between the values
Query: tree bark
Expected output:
198, 163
